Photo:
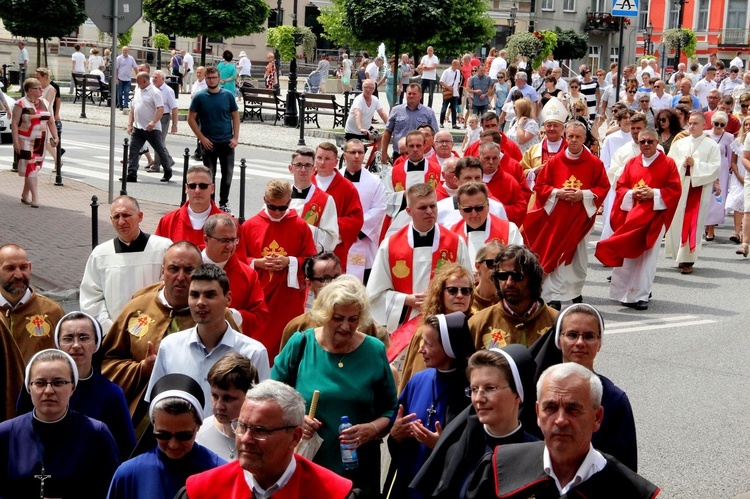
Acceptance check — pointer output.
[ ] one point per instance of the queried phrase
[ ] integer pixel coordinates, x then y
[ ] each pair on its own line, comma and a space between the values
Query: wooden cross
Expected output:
42, 477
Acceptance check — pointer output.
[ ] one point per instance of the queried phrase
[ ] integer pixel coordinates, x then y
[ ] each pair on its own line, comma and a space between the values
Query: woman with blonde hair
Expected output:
525, 133
738, 198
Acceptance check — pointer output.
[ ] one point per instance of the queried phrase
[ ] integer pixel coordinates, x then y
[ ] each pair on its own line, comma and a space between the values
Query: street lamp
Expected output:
647, 38
512, 20
290, 113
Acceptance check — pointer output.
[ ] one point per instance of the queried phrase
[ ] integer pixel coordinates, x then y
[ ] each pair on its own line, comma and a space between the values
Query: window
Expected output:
643, 15
598, 5
593, 61
736, 14
674, 14
702, 24
569, 5
548, 4
613, 55
272, 18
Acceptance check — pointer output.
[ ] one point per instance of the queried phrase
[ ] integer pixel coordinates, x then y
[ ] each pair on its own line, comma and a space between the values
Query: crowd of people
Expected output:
439, 308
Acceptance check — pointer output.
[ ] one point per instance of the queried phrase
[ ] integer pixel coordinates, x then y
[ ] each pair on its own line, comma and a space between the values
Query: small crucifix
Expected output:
431, 412
42, 477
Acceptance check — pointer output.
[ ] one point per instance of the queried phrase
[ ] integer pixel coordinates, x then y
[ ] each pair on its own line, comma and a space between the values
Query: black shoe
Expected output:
577, 299
225, 209
62, 151
165, 178
609, 279
130, 178
197, 158
627, 304
641, 305
555, 304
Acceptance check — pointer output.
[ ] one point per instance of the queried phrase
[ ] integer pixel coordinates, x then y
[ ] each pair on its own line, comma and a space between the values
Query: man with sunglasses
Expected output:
648, 192
220, 238
659, 98
726, 104
521, 316
186, 222
276, 242
479, 226
267, 432
468, 169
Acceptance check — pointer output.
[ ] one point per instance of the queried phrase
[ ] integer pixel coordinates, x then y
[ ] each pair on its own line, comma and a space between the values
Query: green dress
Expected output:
363, 389
227, 71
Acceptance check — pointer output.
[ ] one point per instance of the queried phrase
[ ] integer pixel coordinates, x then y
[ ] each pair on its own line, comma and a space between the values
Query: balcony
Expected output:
734, 37
603, 21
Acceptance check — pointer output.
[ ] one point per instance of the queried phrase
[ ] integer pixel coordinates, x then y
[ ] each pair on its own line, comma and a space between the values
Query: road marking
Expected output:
655, 323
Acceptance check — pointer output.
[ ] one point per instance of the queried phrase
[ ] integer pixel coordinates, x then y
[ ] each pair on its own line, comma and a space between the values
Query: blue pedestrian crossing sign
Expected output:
625, 8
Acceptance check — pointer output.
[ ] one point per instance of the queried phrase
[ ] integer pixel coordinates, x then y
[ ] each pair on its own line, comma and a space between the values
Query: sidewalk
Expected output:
57, 235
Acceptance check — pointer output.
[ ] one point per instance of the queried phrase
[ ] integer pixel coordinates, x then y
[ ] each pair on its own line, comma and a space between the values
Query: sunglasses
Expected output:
663, 120
744, 106
632, 91
182, 436
277, 208
489, 262
192, 186
502, 276
469, 209
644, 142
454, 290
722, 125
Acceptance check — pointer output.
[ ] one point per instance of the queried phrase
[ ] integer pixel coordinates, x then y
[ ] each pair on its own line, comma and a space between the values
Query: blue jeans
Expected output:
123, 94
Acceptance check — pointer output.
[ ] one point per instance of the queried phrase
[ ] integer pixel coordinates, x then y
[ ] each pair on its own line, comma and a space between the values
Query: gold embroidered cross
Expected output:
572, 182
639, 184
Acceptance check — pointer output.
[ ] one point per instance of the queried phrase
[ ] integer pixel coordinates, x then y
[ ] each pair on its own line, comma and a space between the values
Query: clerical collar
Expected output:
488, 432
206, 259
423, 239
481, 228
354, 177
300, 193
325, 182
648, 161
446, 371
137, 245
273, 218
198, 220
414, 167
259, 492
554, 146
25, 298
570, 155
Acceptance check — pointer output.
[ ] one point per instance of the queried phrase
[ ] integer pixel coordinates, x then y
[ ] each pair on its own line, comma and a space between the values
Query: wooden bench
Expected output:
94, 87
256, 100
325, 105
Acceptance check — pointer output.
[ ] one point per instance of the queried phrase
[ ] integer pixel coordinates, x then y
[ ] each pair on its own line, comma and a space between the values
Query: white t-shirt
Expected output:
430, 61
188, 62
737, 62
372, 71
498, 63
80, 62
244, 66
145, 103
366, 116
347, 65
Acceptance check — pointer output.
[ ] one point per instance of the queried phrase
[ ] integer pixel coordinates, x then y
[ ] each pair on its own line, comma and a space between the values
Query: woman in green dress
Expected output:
351, 371
227, 72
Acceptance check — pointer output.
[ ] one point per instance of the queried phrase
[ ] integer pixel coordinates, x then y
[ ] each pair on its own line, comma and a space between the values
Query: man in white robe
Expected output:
372, 196
468, 169
406, 260
698, 159
121, 266
612, 143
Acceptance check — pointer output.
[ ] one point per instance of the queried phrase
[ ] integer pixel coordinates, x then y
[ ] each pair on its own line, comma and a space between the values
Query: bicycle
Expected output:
372, 163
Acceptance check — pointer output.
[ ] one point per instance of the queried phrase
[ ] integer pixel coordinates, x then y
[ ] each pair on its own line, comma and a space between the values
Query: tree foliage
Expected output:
285, 39
570, 44
337, 30
408, 21
470, 26
160, 41
214, 18
126, 37
42, 20
683, 38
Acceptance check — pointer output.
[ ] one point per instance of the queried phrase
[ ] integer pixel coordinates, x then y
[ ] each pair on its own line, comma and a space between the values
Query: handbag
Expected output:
447, 93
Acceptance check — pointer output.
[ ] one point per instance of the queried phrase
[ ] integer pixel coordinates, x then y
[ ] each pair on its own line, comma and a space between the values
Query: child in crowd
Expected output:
472, 132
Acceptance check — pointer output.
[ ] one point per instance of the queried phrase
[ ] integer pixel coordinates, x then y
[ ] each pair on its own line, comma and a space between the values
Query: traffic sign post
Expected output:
623, 9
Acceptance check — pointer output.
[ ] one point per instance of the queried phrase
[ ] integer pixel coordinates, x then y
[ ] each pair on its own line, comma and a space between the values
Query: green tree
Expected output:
42, 20
337, 30
469, 26
214, 19
570, 44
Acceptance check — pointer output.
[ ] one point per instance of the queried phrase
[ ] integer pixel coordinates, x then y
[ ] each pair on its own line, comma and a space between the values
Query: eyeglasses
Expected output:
256, 432
226, 241
469, 209
573, 336
443, 141
502, 276
203, 186
324, 279
303, 166
663, 120
212, 77
488, 262
454, 290
41, 385
182, 436
572, 87
722, 125
644, 142
488, 390
277, 208
82, 339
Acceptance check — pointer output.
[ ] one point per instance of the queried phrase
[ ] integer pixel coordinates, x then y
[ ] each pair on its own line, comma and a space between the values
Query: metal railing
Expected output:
734, 36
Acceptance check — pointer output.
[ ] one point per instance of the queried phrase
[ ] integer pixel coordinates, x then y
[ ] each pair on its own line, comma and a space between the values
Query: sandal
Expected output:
735, 238
743, 250
25, 202
35, 205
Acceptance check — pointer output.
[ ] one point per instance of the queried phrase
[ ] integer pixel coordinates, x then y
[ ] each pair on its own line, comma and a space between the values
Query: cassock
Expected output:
633, 248
115, 271
506, 189
493, 229
683, 240
348, 209
507, 146
25, 330
147, 317
427, 395
624, 154
613, 143
284, 291
318, 209
404, 265
517, 471
403, 175
178, 225
498, 325
156, 476
247, 294
557, 231
373, 200
100, 399
229, 481
461, 446
448, 214
76, 454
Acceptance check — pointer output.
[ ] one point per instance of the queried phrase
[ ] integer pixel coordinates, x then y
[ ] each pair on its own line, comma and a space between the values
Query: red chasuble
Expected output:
498, 230
432, 175
309, 481
401, 257
507, 146
176, 226
350, 214
637, 230
555, 237
289, 237
441, 192
247, 296
505, 189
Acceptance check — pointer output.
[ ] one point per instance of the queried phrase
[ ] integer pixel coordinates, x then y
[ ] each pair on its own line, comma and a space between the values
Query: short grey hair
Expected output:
214, 220
559, 372
649, 132
289, 400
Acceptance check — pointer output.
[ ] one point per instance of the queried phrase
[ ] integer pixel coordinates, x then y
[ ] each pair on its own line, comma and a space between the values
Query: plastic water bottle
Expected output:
348, 451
